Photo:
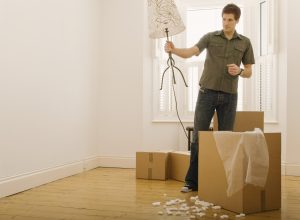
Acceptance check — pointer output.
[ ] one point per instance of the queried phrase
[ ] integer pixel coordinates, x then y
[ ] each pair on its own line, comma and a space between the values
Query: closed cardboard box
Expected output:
152, 165
179, 164
244, 121
251, 199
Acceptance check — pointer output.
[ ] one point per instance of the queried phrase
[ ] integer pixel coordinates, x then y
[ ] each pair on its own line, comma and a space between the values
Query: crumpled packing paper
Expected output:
245, 158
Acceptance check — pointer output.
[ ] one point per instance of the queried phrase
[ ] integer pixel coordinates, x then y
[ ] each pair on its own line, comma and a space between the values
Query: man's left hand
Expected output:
233, 69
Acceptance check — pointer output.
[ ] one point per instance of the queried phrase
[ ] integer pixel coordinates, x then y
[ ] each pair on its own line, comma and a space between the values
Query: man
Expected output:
226, 50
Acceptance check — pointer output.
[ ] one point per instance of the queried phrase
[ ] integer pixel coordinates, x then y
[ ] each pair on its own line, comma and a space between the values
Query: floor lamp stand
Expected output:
171, 64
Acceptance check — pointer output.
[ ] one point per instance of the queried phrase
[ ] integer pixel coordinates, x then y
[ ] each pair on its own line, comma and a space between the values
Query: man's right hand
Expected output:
169, 46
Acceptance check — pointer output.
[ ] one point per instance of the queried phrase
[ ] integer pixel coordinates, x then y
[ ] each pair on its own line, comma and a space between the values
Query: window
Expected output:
266, 61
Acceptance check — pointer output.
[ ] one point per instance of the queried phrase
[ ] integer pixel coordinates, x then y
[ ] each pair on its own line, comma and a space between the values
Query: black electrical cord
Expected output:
178, 112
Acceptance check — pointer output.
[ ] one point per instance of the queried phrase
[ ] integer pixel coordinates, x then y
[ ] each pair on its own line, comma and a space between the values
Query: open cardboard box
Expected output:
213, 185
244, 121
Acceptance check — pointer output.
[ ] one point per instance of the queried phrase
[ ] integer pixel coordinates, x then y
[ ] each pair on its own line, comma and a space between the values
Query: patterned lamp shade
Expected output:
162, 15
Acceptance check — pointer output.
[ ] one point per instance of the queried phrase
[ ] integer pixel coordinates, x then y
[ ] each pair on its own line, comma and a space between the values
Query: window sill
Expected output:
172, 121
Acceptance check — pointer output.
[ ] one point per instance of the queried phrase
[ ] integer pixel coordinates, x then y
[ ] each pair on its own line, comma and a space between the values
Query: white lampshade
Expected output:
163, 14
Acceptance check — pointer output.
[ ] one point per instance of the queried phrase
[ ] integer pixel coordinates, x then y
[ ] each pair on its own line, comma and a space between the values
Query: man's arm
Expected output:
247, 73
181, 52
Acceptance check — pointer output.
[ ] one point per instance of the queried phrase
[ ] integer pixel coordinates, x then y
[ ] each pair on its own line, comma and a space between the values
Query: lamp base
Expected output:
171, 64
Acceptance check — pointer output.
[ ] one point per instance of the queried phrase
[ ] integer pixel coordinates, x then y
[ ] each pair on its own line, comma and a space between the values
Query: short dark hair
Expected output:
232, 9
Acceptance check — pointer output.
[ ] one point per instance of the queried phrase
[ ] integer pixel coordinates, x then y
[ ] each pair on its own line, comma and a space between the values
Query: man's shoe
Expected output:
187, 188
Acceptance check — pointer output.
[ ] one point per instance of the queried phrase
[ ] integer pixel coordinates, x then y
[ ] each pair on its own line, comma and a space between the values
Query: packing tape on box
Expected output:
245, 158
150, 163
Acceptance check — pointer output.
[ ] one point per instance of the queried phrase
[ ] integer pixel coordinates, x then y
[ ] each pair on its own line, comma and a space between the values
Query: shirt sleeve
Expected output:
248, 57
203, 42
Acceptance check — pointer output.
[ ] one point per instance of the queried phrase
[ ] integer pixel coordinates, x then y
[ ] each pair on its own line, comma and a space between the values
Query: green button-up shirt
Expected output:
220, 52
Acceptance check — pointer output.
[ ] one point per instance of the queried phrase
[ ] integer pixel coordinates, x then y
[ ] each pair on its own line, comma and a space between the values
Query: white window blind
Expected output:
266, 69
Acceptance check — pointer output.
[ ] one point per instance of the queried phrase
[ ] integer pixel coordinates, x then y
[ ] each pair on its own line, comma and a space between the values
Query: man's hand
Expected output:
169, 47
233, 69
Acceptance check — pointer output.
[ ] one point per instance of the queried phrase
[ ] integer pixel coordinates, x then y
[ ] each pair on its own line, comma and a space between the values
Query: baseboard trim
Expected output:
291, 169
120, 162
16, 184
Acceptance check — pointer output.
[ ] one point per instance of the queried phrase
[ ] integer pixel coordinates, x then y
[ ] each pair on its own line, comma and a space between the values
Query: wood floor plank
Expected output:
111, 193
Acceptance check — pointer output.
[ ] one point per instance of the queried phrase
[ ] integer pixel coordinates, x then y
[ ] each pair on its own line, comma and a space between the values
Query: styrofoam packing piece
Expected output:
215, 215
201, 214
184, 208
197, 202
156, 203
193, 198
216, 207
183, 205
171, 202
160, 213
224, 216
172, 209
204, 208
197, 209
203, 203
181, 201
240, 215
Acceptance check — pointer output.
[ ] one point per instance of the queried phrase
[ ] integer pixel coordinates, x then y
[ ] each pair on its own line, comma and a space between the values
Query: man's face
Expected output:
229, 23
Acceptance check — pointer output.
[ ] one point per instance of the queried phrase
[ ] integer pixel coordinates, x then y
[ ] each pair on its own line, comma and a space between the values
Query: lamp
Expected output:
165, 21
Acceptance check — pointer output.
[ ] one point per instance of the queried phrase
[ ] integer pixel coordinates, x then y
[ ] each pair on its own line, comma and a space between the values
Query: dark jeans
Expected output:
208, 102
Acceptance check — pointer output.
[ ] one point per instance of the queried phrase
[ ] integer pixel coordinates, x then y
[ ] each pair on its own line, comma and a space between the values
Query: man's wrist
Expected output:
241, 72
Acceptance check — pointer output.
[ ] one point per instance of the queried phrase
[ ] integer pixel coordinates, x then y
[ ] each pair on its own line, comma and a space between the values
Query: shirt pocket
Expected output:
217, 50
238, 53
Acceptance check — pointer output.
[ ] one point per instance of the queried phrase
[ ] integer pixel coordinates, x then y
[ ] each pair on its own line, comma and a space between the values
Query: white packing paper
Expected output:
245, 158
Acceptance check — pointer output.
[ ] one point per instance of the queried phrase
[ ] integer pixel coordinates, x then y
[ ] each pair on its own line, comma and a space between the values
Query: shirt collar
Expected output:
235, 35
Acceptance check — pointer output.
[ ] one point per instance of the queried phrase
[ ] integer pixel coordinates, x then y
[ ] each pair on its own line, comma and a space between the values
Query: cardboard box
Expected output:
179, 164
213, 185
152, 165
244, 121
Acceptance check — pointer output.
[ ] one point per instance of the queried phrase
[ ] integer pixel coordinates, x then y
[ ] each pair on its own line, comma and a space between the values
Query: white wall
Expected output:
293, 79
48, 79
282, 75
121, 83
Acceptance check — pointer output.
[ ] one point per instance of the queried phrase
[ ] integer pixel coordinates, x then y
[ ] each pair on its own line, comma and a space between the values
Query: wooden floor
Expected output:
109, 193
